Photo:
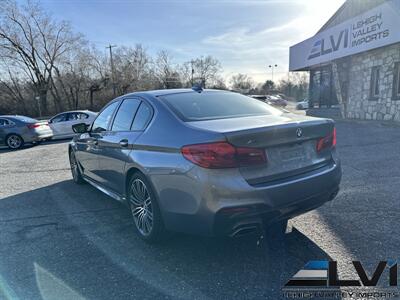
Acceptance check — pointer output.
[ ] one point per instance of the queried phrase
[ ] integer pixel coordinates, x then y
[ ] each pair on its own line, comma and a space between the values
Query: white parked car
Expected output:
277, 100
61, 124
303, 104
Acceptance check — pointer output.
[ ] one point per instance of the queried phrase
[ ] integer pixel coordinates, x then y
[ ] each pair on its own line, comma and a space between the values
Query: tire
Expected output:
76, 172
146, 214
277, 231
14, 141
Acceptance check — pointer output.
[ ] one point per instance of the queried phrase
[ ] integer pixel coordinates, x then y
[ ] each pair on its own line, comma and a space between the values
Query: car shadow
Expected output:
363, 219
73, 241
5, 149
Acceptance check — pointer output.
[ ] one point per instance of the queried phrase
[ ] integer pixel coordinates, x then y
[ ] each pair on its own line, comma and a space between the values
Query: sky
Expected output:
246, 36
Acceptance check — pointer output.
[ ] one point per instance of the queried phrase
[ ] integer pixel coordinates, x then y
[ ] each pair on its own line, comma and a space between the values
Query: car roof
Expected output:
78, 111
19, 118
15, 116
157, 93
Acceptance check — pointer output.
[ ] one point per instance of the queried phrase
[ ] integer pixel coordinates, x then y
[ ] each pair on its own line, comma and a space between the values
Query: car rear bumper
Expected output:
223, 203
256, 217
37, 137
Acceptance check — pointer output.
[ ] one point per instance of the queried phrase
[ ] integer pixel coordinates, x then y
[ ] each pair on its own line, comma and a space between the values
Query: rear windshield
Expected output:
216, 105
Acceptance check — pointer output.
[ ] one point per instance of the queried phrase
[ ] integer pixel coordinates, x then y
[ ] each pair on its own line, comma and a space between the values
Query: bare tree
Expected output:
219, 84
296, 85
242, 82
71, 80
132, 66
14, 89
33, 42
206, 70
165, 72
43, 59
268, 86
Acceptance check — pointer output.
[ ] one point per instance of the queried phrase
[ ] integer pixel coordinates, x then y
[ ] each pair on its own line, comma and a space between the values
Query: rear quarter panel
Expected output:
157, 153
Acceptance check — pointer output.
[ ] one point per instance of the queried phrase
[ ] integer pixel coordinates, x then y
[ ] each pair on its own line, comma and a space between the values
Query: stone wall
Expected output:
359, 104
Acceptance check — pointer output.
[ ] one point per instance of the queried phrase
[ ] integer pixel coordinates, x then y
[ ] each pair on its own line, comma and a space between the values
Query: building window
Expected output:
374, 88
396, 82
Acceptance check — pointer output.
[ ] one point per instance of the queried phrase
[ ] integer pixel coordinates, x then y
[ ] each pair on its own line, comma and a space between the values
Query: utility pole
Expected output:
39, 106
272, 70
192, 71
112, 68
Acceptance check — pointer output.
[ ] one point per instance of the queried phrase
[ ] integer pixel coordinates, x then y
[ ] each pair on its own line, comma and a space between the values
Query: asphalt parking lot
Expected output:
59, 240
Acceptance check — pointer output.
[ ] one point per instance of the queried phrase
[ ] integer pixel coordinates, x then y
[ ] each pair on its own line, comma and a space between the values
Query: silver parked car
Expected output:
15, 131
302, 104
207, 162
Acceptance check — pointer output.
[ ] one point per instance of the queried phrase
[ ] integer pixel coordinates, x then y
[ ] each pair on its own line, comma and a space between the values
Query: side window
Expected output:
59, 118
124, 117
77, 116
396, 82
73, 116
375, 81
142, 117
4, 122
104, 118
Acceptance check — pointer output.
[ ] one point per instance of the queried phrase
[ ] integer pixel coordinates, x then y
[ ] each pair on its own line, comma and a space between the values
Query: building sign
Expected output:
375, 28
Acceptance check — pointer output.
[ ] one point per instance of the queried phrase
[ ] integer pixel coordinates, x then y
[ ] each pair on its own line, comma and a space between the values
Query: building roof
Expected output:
348, 10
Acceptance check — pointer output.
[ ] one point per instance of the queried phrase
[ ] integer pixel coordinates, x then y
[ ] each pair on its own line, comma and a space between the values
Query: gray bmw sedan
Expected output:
207, 162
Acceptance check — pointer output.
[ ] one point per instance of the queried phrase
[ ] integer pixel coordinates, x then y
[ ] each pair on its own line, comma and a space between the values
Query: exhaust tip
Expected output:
246, 229
333, 195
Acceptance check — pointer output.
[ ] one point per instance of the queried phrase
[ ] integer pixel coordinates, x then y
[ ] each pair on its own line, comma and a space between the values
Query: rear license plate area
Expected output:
293, 153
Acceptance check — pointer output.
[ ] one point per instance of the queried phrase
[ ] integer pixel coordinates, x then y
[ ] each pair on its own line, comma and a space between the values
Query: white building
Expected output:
354, 60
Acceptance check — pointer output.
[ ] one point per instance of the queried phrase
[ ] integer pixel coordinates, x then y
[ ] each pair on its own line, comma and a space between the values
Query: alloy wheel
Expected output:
74, 166
141, 207
14, 141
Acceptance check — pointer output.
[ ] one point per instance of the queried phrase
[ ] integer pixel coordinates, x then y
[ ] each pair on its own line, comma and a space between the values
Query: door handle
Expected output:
124, 143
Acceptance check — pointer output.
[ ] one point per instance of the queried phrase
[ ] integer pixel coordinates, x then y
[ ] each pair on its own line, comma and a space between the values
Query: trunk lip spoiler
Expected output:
290, 175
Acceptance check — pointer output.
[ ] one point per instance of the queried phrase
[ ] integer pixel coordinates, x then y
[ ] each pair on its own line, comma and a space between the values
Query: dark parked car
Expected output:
15, 131
259, 97
206, 161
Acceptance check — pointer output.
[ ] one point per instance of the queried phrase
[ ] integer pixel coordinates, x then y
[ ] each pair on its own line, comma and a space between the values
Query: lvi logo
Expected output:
332, 44
322, 273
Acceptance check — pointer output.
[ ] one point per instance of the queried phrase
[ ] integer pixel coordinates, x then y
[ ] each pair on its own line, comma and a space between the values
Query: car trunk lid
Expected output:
289, 141
40, 127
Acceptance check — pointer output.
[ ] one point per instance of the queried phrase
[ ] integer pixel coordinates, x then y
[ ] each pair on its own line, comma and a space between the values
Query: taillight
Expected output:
223, 155
36, 125
32, 126
327, 142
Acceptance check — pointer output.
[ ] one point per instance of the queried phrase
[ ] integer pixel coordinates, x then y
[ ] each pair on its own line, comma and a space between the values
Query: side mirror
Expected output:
80, 128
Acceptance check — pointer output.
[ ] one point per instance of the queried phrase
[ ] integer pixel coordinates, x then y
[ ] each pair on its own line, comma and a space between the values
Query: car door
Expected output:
58, 124
128, 124
85, 118
74, 118
6, 127
4, 124
88, 149
90, 117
